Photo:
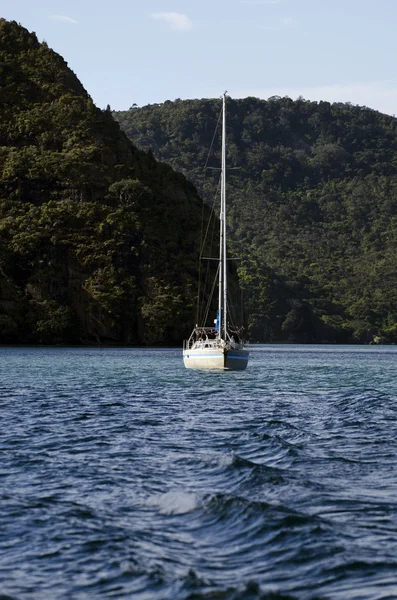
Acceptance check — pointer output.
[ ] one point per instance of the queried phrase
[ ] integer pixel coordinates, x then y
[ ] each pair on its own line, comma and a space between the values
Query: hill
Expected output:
313, 208
86, 253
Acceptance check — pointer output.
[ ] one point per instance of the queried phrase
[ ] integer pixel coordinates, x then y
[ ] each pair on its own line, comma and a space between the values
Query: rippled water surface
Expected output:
124, 475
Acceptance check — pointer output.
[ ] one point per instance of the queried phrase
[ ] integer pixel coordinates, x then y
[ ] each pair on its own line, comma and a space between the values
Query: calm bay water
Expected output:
124, 475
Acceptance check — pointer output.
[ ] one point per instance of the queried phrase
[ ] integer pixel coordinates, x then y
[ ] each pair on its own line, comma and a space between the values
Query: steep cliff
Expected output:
98, 241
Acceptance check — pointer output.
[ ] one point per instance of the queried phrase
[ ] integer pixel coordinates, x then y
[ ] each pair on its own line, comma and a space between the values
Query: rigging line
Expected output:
233, 323
204, 287
208, 270
241, 283
210, 243
203, 242
232, 316
217, 190
201, 251
213, 138
207, 310
204, 239
198, 294
234, 308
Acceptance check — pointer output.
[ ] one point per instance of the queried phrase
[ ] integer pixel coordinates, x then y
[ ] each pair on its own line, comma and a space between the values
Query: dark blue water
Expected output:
124, 475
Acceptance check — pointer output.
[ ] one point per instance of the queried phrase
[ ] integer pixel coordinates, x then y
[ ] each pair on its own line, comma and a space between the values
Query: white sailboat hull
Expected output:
216, 359
220, 347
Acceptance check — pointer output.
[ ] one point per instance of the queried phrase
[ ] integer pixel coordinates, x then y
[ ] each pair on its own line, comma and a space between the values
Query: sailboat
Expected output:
217, 347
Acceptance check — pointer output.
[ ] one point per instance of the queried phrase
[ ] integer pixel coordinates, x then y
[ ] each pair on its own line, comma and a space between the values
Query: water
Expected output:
123, 475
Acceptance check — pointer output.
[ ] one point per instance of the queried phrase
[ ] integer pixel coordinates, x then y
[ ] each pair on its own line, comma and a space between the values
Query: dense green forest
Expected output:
87, 250
312, 208
99, 241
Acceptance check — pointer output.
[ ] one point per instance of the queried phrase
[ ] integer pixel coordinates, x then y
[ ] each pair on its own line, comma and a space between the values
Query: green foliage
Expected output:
8, 329
312, 208
98, 241
50, 322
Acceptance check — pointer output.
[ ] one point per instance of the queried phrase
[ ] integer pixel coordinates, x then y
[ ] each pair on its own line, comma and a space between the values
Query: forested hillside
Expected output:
87, 253
312, 208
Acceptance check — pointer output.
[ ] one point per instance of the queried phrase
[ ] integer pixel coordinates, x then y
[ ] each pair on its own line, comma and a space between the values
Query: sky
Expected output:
142, 52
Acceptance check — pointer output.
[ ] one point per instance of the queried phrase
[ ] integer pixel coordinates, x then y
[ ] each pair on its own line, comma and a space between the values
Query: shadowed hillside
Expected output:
87, 253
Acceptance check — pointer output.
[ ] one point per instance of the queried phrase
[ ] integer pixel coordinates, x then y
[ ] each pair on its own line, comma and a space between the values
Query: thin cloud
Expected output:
63, 19
177, 21
379, 95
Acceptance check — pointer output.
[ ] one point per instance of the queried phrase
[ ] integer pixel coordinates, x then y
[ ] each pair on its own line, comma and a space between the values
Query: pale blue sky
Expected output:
148, 51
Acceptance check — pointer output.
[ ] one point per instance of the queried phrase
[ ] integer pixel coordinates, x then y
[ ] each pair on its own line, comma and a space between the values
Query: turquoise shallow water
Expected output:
124, 475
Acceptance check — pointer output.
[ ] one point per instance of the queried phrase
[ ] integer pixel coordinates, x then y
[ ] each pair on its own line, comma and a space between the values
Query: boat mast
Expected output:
220, 297
222, 243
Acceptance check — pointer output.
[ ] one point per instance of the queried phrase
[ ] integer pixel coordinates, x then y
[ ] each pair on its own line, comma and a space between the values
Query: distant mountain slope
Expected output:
86, 250
313, 208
